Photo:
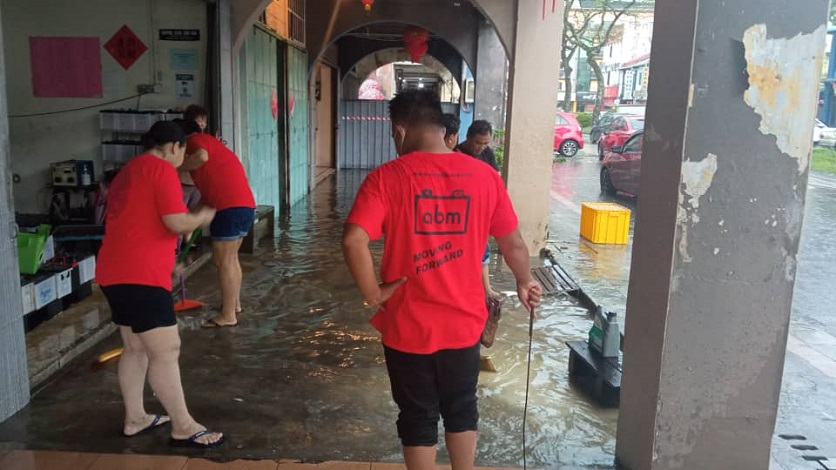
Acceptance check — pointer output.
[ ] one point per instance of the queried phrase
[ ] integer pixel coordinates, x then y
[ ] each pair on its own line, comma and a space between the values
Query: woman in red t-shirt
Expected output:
222, 181
145, 214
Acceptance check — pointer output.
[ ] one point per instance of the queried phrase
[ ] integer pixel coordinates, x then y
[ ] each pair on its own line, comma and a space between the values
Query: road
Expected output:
808, 393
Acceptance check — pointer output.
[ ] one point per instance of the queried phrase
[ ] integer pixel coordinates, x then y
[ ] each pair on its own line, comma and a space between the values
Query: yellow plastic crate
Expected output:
605, 223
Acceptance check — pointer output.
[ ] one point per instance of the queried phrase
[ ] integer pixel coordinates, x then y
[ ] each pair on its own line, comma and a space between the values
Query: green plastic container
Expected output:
30, 249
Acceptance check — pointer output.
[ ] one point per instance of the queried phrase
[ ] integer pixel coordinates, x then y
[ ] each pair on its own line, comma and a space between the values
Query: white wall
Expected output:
38, 141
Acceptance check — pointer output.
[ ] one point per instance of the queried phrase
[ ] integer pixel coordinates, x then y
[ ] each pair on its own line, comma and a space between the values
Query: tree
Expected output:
589, 26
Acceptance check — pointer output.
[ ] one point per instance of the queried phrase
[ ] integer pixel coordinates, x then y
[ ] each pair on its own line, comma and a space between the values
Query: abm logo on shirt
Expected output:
441, 215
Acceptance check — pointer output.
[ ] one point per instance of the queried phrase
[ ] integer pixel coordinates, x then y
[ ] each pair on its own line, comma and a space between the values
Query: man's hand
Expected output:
529, 291
384, 293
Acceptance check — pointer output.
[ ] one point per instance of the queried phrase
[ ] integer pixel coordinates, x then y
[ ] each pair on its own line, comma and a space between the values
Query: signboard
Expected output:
179, 35
184, 59
184, 85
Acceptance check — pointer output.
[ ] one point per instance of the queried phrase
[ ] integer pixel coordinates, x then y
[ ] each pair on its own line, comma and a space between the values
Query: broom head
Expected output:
186, 304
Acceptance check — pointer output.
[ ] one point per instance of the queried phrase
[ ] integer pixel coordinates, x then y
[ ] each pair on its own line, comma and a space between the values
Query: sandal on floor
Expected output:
192, 441
157, 422
215, 324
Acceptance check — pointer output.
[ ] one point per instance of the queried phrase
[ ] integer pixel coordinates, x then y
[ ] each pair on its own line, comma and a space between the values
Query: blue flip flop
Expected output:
191, 441
157, 422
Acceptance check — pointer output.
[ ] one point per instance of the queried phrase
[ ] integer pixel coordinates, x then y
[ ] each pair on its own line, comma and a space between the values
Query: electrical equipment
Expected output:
73, 174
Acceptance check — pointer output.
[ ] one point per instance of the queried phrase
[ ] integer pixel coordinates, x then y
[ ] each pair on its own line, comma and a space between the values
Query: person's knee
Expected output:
418, 427
461, 415
167, 352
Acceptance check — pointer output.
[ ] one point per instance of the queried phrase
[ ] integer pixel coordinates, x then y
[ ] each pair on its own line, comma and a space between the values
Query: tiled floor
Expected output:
49, 460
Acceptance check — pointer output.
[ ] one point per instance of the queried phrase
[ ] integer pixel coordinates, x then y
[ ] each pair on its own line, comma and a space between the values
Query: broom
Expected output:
185, 304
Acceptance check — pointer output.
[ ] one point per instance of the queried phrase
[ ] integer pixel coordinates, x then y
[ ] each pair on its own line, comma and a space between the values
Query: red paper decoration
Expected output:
125, 47
415, 42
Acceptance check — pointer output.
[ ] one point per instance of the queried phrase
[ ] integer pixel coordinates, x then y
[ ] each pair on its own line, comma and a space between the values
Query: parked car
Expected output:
620, 130
621, 167
602, 126
568, 135
824, 135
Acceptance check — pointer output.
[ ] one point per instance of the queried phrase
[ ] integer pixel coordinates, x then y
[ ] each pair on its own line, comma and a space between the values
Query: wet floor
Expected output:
303, 375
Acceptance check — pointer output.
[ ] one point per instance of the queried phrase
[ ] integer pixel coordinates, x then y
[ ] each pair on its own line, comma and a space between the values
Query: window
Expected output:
637, 124
469, 91
296, 21
619, 125
634, 144
561, 121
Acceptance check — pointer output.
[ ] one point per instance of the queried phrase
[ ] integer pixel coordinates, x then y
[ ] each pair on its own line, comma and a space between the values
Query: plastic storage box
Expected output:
605, 223
30, 249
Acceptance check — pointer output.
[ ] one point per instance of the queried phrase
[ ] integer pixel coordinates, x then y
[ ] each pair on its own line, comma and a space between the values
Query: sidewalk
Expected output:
46, 460
809, 382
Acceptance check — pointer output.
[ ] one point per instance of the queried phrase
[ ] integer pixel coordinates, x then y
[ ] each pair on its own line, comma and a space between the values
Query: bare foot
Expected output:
134, 427
220, 321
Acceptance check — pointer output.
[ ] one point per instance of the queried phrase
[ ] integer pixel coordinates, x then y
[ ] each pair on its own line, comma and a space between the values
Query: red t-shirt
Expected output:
435, 212
138, 248
222, 180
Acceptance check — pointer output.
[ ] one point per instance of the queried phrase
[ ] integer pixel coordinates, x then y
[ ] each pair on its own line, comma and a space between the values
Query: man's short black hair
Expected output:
416, 107
480, 127
451, 124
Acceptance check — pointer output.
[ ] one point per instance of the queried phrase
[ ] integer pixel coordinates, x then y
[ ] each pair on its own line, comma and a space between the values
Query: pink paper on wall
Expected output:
66, 67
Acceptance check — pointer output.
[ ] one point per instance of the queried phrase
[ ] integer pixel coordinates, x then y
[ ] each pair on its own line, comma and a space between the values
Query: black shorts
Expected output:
140, 307
426, 386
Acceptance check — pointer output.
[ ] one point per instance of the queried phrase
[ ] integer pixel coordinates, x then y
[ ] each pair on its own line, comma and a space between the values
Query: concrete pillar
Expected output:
532, 106
491, 77
732, 97
14, 375
226, 61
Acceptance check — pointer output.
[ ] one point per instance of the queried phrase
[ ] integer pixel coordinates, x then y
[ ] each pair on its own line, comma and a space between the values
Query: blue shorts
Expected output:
232, 224
486, 258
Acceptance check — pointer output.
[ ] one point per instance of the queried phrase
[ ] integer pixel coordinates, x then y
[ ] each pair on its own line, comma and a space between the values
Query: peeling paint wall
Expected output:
783, 86
730, 113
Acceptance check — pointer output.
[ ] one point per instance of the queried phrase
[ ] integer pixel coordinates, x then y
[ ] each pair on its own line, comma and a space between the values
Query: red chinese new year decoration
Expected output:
415, 42
367, 4
125, 47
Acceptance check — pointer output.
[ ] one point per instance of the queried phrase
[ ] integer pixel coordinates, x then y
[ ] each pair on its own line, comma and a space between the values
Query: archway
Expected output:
358, 73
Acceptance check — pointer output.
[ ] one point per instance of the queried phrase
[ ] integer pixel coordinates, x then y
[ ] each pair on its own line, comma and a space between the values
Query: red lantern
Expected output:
367, 4
415, 42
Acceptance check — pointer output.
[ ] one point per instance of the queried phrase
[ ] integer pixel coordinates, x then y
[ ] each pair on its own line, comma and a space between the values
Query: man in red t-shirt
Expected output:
222, 181
435, 210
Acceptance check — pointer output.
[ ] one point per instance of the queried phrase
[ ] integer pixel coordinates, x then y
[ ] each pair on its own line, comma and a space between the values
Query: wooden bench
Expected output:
263, 227
599, 376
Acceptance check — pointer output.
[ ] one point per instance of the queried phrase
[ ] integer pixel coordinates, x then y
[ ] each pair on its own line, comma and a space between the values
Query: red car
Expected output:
621, 168
568, 135
621, 129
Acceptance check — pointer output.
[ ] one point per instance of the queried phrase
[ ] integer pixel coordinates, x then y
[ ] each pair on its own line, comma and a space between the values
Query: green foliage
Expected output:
498, 147
824, 159
585, 120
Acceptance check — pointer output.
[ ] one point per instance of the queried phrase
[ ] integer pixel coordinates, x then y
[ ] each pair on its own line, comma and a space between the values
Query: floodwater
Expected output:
303, 376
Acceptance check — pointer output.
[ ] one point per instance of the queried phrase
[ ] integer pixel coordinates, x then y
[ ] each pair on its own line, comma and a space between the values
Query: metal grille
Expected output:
365, 134
296, 21
555, 280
